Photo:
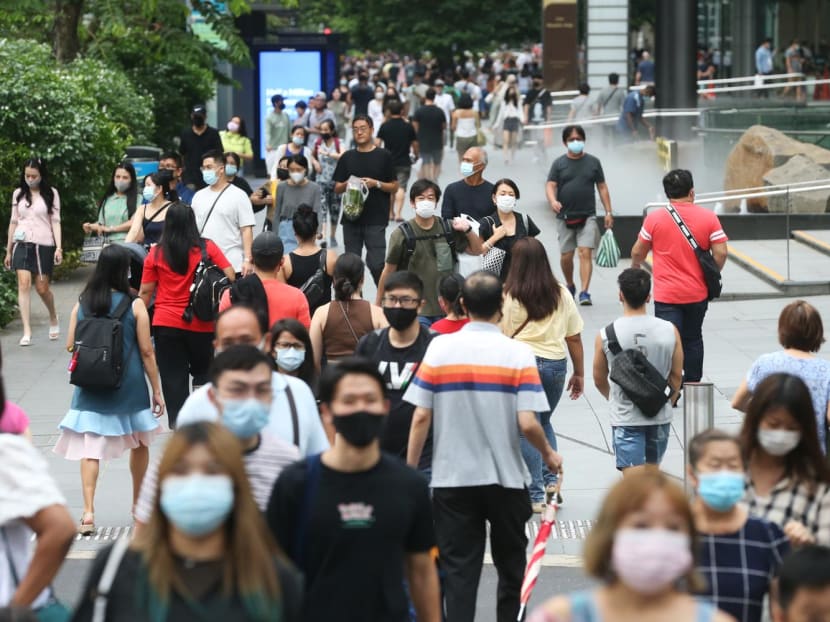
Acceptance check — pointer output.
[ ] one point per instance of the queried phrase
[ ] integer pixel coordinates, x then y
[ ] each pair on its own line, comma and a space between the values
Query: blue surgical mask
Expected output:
297, 140
197, 504
721, 490
245, 418
231, 170
289, 359
467, 169
576, 146
149, 193
209, 177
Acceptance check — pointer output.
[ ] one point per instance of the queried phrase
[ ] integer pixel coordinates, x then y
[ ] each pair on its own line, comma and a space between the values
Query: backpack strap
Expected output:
324, 260
117, 553
611, 337
409, 239
295, 421
312, 483
449, 234
187, 314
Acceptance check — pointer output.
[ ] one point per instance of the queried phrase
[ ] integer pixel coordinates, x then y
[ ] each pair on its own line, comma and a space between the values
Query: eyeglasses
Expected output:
404, 301
357, 129
285, 345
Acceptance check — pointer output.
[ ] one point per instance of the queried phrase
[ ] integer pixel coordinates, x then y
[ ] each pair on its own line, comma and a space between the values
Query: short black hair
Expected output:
807, 567
430, 94
301, 104
482, 294
395, 107
678, 183
357, 365
584, 88
233, 156
421, 186
172, 155
613, 78
298, 159
216, 155
275, 99
635, 286
570, 129
363, 117
504, 181
404, 279
239, 357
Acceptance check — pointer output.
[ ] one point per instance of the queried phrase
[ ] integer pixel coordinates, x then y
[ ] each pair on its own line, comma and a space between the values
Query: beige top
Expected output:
547, 336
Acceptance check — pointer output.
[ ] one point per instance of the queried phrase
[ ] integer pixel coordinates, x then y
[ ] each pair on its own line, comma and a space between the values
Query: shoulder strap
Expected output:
157, 212
449, 234
203, 249
117, 552
204, 224
682, 226
312, 483
324, 260
409, 238
295, 421
608, 99
337, 144
122, 308
611, 337
521, 328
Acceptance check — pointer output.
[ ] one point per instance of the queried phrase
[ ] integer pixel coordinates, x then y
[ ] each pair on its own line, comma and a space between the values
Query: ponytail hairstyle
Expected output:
162, 179
450, 290
348, 275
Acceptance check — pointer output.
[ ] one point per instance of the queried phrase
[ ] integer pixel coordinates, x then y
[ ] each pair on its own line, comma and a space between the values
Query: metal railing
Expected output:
752, 78
698, 415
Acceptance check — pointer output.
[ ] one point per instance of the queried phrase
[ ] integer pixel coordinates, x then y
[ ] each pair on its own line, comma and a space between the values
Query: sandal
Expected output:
87, 527
25, 340
55, 331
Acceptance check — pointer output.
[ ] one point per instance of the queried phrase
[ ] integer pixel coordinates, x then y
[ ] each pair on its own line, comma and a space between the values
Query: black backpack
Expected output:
315, 286
208, 284
410, 240
641, 382
97, 362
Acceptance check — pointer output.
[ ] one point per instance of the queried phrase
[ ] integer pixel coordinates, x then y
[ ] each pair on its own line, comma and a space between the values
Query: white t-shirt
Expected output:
233, 211
312, 437
444, 102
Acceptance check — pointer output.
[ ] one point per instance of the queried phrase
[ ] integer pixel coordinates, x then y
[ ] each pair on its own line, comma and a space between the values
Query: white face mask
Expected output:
425, 208
297, 178
378, 95
505, 203
778, 442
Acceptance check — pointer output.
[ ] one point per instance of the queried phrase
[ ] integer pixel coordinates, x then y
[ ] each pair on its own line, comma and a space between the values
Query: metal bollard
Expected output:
698, 415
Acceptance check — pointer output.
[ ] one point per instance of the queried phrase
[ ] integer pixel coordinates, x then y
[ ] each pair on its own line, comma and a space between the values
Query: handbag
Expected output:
608, 253
493, 260
711, 272
481, 138
641, 382
94, 244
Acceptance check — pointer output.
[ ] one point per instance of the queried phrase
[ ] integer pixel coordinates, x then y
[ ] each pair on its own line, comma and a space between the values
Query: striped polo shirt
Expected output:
476, 381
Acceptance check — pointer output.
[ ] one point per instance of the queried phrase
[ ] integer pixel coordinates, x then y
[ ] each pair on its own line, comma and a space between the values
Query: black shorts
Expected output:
511, 124
432, 157
39, 260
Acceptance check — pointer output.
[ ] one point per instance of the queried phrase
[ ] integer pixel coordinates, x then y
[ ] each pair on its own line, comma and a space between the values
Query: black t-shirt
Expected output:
575, 182
375, 164
529, 230
431, 121
358, 529
244, 186
129, 600
398, 367
397, 136
461, 198
361, 96
193, 146
538, 102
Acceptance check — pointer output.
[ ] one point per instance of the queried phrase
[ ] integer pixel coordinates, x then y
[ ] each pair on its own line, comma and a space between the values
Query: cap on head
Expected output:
199, 109
320, 95
267, 244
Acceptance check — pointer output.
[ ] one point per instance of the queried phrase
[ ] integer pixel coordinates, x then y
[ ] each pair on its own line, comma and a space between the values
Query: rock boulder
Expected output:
798, 168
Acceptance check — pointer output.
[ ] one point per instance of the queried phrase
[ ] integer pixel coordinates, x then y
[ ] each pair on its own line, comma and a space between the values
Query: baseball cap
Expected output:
439, 82
199, 109
320, 95
267, 243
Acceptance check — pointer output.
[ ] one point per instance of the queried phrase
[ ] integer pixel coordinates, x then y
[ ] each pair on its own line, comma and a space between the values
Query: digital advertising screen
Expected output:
296, 75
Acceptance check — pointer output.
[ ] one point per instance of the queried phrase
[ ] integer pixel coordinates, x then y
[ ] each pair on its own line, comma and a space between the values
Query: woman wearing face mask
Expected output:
642, 548
540, 312
375, 108
464, 123
327, 150
340, 108
264, 195
449, 299
232, 172
104, 424
118, 205
33, 247
304, 261
235, 139
292, 351
206, 553
739, 553
789, 480
298, 190
148, 222
337, 326
511, 116
502, 229
297, 146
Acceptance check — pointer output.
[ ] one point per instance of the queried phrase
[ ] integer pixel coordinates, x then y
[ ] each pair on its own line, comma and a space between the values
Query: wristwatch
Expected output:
379, 185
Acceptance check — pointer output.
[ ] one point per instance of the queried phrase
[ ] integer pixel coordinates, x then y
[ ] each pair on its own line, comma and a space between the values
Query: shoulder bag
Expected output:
711, 272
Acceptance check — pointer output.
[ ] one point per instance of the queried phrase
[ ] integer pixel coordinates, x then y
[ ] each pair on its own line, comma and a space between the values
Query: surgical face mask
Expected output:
121, 185
282, 174
505, 203
297, 140
400, 318
360, 428
425, 208
721, 490
198, 120
467, 169
233, 127
197, 504
576, 146
231, 170
650, 560
778, 442
344, 82
378, 96
297, 178
245, 418
33, 183
210, 177
289, 359
149, 193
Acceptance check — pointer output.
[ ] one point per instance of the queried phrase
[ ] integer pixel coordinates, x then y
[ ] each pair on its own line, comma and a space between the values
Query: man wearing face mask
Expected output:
355, 520
240, 391
318, 112
570, 192
277, 130
472, 194
293, 416
739, 553
198, 139
427, 245
172, 161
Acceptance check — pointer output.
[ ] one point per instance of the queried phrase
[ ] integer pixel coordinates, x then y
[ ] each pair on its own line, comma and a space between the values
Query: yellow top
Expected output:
236, 143
547, 336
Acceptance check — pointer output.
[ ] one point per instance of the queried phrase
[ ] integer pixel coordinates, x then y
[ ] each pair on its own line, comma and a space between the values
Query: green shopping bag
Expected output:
608, 253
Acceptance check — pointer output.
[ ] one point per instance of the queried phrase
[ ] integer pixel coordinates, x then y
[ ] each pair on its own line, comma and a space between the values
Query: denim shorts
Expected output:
635, 445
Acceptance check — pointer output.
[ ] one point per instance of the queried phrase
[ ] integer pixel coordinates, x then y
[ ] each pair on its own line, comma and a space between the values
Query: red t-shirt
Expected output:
284, 301
678, 277
173, 289
445, 326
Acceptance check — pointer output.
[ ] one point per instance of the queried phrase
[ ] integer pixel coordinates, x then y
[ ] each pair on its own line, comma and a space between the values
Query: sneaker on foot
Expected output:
585, 299
572, 289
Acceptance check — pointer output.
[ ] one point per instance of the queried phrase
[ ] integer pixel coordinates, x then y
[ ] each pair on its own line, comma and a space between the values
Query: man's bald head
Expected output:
237, 325
481, 295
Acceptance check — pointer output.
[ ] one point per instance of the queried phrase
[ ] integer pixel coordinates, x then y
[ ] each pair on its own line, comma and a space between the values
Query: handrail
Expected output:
758, 87
749, 195
774, 76
726, 130
649, 114
770, 187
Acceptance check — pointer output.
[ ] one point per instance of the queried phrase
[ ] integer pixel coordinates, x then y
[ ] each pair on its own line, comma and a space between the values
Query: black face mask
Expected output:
282, 174
198, 120
325, 136
400, 318
360, 428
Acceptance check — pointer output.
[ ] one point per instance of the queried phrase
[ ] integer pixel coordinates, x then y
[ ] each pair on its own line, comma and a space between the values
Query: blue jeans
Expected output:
688, 318
553, 374
636, 445
286, 233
